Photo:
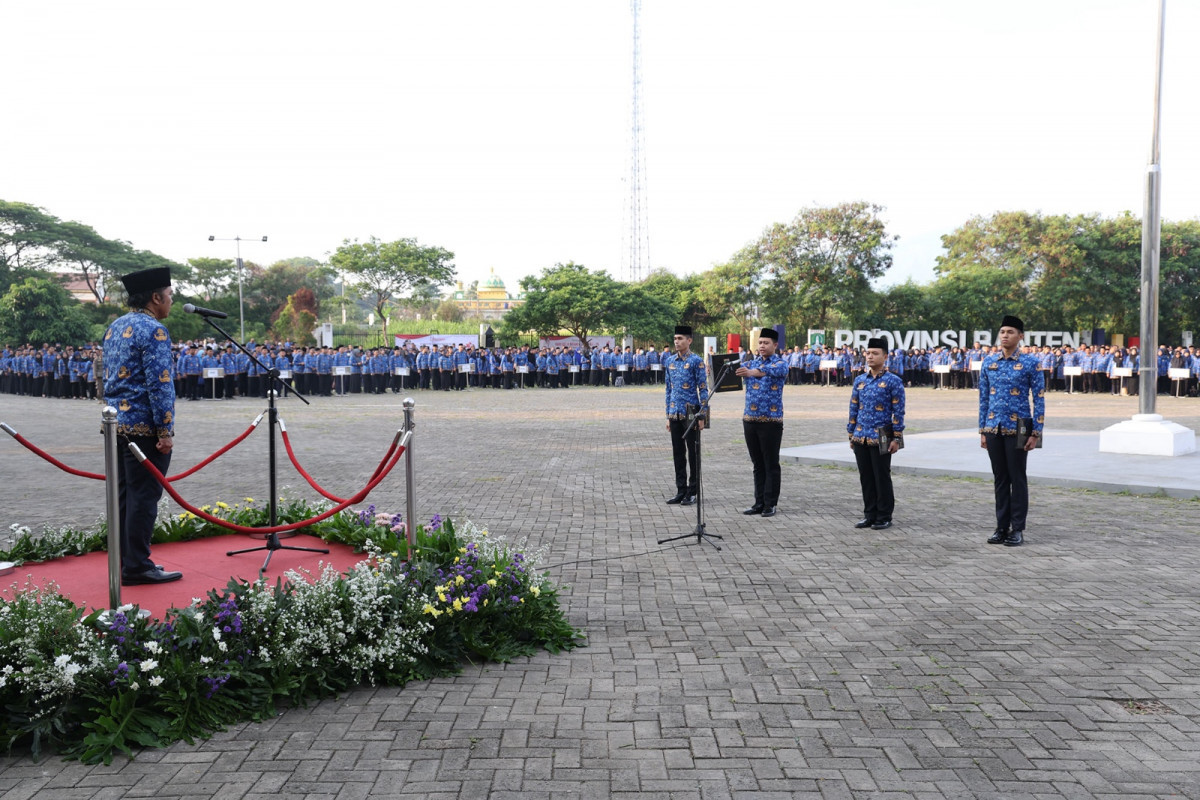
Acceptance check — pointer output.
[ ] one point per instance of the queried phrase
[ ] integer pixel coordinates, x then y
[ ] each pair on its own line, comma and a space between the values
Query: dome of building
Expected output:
493, 281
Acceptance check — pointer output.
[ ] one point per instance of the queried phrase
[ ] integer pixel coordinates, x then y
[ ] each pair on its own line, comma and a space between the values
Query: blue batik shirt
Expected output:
876, 401
137, 365
764, 395
1007, 386
687, 384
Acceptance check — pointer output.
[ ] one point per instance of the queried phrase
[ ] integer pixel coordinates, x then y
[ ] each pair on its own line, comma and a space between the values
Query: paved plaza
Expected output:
804, 660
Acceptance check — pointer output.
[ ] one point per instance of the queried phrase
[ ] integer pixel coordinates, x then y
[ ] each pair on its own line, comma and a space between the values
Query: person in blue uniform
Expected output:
876, 401
686, 384
762, 419
1010, 388
137, 360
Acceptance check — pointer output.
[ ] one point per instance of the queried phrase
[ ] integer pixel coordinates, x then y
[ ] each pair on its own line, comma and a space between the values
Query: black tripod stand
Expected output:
272, 542
696, 414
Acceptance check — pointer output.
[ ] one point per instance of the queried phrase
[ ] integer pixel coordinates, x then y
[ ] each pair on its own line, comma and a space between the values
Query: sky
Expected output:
501, 131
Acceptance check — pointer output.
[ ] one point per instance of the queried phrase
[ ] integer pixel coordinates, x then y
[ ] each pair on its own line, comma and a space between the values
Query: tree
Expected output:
644, 316
27, 236
566, 297
449, 311
387, 270
41, 310
729, 292
210, 276
296, 321
823, 262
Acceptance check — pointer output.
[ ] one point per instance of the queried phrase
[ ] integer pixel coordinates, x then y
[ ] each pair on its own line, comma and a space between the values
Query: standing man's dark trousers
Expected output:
763, 440
139, 494
1012, 488
875, 477
687, 482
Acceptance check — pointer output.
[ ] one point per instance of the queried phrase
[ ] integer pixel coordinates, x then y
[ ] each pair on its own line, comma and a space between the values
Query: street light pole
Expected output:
241, 305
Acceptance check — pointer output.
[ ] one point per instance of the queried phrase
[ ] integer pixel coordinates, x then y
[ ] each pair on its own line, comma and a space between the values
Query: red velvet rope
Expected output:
215, 455
158, 476
38, 451
99, 476
287, 444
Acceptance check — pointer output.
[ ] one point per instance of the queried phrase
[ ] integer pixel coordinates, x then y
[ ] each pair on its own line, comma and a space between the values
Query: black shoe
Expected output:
676, 500
999, 536
865, 522
690, 500
754, 509
769, 511
882, 525
1015, 539
149, 576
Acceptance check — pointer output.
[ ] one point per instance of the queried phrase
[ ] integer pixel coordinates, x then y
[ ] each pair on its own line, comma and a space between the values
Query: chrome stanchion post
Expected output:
410, 528
113, 505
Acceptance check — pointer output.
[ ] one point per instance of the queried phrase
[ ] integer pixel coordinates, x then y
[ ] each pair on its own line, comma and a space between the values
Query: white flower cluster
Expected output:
42, 656
321, 628
492, 547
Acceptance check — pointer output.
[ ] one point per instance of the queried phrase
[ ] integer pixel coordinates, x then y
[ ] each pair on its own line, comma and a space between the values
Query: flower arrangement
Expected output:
97, 685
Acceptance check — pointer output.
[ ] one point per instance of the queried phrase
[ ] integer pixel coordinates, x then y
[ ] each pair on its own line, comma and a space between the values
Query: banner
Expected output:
931, 340
419, 340
572, 342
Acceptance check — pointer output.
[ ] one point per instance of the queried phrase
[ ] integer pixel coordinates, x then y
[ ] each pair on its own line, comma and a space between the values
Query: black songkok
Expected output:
1010, 321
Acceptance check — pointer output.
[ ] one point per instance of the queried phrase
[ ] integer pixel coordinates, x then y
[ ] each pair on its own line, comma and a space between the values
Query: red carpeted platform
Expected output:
203, 563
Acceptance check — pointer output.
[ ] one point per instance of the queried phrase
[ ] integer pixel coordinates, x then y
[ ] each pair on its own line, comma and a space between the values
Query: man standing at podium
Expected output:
687, 384
762, 420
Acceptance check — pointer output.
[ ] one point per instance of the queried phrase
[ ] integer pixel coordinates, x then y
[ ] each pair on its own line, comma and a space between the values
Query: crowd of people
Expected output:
76, 372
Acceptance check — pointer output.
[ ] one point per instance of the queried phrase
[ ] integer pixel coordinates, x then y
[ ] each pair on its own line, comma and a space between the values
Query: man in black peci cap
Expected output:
687, 384
1009, 383
138, 383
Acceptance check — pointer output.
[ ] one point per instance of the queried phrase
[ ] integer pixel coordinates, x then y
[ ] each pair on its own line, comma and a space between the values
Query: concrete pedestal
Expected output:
1148, 435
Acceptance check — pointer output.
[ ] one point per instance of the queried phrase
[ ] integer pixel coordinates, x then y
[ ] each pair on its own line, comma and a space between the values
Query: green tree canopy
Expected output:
40, 310
823, 262
388, 270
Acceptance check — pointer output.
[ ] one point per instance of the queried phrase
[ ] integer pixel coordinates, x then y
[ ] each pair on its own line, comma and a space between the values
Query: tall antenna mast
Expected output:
639, 234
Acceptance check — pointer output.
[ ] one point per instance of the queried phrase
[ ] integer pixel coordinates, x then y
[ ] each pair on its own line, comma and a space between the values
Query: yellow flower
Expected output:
248, 500
222, 505
456, 559
485, 601
458, 604
206, 509
442, 596
483, 532
460, 580
428, 609
395, 554
462, 550
535, 591
492, 582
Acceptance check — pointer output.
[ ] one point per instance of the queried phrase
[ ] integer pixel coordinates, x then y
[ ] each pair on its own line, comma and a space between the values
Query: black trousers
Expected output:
684, 451
762, 441
139, 494
875, 477
1008, 473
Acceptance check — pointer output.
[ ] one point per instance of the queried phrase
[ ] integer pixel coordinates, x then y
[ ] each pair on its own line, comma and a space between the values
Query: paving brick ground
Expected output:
805, 660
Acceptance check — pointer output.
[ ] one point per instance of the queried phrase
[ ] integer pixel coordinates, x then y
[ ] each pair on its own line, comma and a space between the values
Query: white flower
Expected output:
126, 607
156, 680
154, 647
134, 686
205, 660
148, 665
62, 661
216, 634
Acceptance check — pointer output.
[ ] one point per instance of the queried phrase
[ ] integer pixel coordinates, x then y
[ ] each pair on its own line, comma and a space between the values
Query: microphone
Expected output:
204, 312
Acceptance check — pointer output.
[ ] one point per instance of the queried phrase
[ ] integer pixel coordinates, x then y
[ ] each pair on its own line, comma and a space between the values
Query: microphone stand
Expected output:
272, 542
701, 534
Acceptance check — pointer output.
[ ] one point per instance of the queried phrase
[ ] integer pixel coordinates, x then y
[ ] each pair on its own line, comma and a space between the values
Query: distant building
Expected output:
492, 299
76, 284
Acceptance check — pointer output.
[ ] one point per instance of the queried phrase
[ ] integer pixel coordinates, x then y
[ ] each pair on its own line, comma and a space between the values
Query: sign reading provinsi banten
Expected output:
931, 340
